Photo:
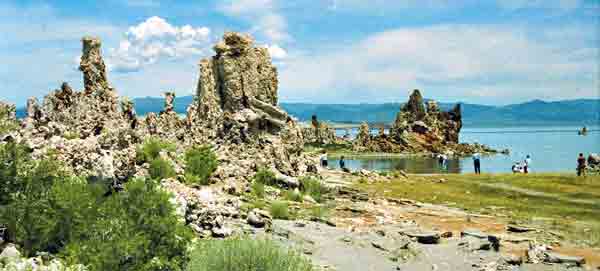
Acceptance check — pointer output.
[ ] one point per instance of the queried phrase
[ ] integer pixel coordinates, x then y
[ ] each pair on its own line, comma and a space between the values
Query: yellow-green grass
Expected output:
558, 202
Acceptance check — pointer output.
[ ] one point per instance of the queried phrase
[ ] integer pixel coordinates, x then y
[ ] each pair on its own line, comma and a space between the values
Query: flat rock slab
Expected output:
552, 257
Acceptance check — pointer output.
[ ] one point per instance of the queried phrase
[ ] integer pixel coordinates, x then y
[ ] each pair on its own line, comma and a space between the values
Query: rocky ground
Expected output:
400, 234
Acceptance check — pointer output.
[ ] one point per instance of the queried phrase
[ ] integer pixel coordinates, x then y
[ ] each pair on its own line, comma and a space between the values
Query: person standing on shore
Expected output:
581, 165
527, 164
342, 164
477, 162
323, 159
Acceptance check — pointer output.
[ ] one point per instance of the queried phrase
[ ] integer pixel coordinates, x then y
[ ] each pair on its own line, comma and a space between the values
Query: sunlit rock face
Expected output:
237, 107
240, 76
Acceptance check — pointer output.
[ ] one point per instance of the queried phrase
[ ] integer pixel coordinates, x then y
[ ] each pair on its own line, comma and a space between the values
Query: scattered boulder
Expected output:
259, 219
424, 237
551, 257
10, 253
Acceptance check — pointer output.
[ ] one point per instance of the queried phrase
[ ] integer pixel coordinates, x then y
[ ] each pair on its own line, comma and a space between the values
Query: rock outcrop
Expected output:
420, 128
95, 133
237, 109
319, 133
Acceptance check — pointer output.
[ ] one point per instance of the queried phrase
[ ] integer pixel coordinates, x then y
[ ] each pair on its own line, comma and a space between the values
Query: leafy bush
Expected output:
14, 162
246, 255
265, 176
161, 169
258, 189
200, 163
292, 195
136, 229
313, 187
6, 124
280, 210
151, 149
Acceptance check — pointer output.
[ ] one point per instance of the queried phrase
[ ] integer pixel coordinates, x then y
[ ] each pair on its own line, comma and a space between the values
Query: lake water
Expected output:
552, 149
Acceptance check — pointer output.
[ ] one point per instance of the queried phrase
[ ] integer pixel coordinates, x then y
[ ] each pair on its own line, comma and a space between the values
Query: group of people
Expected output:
518, 167
325, 162
522, 167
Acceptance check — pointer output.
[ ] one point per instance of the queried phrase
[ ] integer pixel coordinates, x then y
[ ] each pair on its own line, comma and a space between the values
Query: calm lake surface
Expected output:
552, 149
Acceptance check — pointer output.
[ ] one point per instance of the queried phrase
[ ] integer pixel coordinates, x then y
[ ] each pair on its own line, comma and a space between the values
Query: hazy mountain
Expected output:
537, 112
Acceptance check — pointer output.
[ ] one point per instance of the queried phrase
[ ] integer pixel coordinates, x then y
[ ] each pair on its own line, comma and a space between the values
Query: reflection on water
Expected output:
553, 149
408, 164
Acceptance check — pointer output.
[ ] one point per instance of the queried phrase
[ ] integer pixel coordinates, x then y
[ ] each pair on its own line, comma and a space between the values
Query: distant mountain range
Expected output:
569, 112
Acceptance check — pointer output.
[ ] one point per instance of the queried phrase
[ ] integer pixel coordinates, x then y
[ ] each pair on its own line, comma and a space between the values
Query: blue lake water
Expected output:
552, 149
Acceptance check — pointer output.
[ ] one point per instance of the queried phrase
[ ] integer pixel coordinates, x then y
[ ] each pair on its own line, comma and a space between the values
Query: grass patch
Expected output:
280, 210
265, 176
244, 254
258, 189
320, 211
522, 198
314, 188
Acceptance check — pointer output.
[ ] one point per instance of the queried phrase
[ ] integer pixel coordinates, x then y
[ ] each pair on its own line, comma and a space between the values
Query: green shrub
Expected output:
314, 188
258, 189
151, 149
246, 255
136, 229
292, 195
200, 163
6, 124
161, 169
14, 162
280, 210
46, 211
265, 176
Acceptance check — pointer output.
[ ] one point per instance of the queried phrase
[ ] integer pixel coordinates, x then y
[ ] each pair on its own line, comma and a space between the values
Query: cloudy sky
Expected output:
327, 51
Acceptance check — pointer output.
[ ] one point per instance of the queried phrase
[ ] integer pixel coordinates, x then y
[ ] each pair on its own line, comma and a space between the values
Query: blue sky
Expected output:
327, 51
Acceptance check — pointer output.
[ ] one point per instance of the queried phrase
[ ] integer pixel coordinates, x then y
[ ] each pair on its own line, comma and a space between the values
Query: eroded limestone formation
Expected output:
421, 128
93, 67
237, 108
240, 80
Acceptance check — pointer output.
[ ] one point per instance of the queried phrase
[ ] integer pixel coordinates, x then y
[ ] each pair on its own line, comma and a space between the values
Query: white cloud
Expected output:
154, 39
449, 61
264, 16
276, 52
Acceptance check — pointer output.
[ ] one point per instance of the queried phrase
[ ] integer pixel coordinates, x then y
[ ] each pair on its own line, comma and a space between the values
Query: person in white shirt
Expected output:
477, 162
323, 159
527, 164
